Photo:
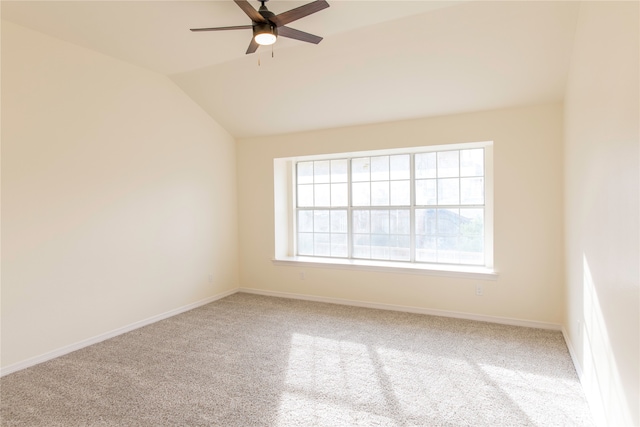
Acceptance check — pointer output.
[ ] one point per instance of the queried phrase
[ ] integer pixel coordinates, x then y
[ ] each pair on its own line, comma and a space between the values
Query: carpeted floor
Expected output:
249, 360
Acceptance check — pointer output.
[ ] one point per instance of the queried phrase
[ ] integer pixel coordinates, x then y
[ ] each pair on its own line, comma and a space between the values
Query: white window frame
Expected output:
285, 218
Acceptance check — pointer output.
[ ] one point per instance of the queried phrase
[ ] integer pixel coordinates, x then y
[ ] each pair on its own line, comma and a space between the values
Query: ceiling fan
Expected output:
267, 26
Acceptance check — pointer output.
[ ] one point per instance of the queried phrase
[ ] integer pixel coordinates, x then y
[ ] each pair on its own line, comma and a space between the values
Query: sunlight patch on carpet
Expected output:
327, 376
538, 396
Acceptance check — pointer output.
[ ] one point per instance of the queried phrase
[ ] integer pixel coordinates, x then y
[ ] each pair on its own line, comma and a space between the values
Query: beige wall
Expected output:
118, 196
528, 215
602, 209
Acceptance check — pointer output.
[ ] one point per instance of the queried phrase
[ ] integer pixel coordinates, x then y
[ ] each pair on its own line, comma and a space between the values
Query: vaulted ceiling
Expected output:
379, 60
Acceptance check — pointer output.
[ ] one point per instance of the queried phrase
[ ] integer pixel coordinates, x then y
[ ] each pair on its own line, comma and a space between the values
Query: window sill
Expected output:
467, 272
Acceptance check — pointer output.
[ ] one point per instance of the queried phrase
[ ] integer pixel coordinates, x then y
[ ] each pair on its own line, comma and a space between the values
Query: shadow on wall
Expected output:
600, 376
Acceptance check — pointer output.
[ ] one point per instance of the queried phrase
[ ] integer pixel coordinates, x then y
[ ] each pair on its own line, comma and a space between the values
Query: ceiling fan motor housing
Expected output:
264, 27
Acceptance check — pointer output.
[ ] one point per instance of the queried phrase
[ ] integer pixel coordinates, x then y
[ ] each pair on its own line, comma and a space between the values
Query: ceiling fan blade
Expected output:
253, 46
298, 35
250, 11
237, 27
299, 12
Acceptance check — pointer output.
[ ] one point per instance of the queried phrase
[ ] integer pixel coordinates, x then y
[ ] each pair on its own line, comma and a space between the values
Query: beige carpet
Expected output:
250, 360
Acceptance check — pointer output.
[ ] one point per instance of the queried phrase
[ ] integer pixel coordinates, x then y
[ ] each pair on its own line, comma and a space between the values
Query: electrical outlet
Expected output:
301, 275
479, 290
210, 278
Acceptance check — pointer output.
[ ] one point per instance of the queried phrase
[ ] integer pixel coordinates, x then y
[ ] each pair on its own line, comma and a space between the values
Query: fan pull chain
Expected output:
272, 55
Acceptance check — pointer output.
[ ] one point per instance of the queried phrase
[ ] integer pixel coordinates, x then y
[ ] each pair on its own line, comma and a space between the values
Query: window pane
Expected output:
400, 193
426, 192
339, 245
380, 168
472, 191
321, 171
399, 248
305, 196
305, 221
471, 222
471, 250
400, 221
339, 195
472, 162
321, 221
361, 246
360, 169
448, 164
449, 191
380, 193
380, 222
361, 222
360, 194
305, 173
322, 195
400, 166
339, 170
426, 221
322, 244
425, 165
379, 246
448, 222
448, 250
426, 249
338, 221
305, 243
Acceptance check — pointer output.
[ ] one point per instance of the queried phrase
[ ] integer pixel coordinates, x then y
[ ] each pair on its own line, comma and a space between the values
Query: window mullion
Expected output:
349, 212
412, 209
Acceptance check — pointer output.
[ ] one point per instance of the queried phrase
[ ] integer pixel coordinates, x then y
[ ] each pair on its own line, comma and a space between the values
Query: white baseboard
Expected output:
597, 410
443, 313
572, 353
409, 309
119, 331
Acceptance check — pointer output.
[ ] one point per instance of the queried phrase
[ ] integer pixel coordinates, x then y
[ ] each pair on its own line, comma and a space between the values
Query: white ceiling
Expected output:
379, 60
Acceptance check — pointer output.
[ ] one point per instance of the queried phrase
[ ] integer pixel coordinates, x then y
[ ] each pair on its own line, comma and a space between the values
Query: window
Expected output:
420, 206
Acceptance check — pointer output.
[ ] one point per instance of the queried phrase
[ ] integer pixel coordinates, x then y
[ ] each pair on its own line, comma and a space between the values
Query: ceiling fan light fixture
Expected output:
265, 34
265, 39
